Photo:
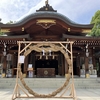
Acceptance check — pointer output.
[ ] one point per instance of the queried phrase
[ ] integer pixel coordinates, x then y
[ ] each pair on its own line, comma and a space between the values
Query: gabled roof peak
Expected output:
47, 7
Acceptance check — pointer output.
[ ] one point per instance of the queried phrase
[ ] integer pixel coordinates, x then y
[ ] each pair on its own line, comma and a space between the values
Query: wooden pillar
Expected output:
14, 64
4, 64
26, 64
86, 65
78, 64
87, 53
66, 67
63, 66
14, 61
61, 63
93, 58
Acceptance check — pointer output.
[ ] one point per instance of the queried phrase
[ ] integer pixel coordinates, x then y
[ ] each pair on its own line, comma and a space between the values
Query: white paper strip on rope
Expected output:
29, 65
21, 59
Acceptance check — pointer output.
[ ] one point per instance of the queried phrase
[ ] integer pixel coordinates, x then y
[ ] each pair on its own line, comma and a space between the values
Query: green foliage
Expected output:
1, 33
10, 22
96, 21
95, 17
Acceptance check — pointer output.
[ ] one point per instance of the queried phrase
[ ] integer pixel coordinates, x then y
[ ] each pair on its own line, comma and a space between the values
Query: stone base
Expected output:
82, 76
90, 76
93, 76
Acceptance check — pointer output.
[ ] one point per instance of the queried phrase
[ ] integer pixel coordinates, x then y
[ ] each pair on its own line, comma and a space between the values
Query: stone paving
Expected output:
82, 94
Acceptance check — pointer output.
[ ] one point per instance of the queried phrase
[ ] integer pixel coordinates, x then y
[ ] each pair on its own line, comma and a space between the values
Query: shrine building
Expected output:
46, 24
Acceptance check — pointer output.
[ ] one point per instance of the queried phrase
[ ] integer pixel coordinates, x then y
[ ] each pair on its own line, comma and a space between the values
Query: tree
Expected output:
1, 33
10, 22
96, 21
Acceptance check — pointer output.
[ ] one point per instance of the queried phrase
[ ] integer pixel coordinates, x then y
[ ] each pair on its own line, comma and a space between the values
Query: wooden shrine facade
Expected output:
48, 25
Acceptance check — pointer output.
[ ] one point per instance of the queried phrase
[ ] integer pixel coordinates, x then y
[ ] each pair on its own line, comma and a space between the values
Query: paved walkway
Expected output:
82, 94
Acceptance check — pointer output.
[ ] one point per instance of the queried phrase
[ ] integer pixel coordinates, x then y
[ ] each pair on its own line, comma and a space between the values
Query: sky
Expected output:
79, 11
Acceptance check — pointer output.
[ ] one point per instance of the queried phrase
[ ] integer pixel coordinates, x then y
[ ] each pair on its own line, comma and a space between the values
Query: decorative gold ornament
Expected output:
4, 30
68, 29
46, 23
22, 28
45, 72
46, 2
46, 8
86, 30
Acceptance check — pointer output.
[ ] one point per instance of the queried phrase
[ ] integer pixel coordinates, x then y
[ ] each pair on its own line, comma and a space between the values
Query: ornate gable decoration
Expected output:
46, 23
47, 7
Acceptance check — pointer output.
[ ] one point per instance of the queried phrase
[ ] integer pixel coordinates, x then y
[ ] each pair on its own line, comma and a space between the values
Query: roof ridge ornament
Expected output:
47, 7
46, 2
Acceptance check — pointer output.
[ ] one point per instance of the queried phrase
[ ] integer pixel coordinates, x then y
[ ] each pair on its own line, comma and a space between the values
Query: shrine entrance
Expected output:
46, 68
49, 61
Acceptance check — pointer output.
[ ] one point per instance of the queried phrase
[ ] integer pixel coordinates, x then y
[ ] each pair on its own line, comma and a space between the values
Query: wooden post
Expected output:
26, 65
86, 66
63, 68
93, 58
4, 62
4, 66
78, 64
73, 87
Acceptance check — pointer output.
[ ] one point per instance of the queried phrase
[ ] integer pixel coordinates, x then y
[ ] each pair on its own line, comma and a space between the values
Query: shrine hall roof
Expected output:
47, 14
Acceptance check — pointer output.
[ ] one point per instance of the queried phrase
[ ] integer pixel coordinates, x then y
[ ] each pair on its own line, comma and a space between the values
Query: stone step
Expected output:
90, 83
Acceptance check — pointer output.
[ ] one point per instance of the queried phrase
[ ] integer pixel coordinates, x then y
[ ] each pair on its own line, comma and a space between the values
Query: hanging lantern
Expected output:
87, 52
